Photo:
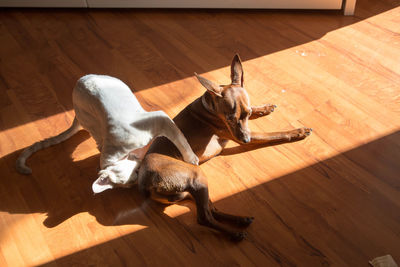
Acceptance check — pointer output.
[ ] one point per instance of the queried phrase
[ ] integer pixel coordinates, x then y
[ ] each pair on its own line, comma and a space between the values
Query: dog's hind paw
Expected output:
245, 221
238, 236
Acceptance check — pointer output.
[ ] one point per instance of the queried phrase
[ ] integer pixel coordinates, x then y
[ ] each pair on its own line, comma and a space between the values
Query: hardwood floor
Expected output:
332, 199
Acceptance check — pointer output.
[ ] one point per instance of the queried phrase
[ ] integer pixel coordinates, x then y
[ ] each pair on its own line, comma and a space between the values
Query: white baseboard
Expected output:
264, 4
273, 4
43, 3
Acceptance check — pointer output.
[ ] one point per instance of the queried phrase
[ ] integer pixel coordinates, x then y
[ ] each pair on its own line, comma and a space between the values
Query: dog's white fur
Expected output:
108, 110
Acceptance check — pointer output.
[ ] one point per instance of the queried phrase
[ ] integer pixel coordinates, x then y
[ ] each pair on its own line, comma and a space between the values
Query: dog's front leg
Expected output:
167, 128
279, 137
262, 110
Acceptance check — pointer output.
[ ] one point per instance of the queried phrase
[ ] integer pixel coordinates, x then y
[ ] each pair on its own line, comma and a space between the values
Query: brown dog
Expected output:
219, 115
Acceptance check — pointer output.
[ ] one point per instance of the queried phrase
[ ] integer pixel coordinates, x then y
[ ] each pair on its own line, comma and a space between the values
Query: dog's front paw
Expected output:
195, 160
267, 109
270, 108
300, 133
263, 110
192, 159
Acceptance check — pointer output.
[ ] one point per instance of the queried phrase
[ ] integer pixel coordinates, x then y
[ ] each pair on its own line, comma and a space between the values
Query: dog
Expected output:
109, 111
219, 115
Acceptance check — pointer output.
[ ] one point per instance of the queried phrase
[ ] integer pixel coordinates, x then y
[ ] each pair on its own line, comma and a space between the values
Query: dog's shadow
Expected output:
62, 188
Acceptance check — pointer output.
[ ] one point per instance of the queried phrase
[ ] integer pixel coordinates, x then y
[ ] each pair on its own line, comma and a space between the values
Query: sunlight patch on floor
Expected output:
31, 131
79, 227
274, 162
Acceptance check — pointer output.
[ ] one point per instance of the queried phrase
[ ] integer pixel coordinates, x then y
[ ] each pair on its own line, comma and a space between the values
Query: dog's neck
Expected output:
206, 102
203, 111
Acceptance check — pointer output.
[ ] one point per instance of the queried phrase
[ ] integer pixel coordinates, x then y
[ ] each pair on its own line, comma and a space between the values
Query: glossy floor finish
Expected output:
332, 199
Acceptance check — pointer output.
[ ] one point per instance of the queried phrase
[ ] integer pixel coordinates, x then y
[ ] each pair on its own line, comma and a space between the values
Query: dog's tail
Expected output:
20, 164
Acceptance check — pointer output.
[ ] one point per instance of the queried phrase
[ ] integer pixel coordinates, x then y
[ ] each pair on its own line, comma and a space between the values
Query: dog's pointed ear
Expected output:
237, 71
209, 85
101, 184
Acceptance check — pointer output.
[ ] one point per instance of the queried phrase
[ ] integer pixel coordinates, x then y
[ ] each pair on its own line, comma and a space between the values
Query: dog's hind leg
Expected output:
166, 180
205, 214
242, 221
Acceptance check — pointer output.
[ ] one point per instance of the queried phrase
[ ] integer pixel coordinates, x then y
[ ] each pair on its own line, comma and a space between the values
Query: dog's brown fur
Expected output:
221, 114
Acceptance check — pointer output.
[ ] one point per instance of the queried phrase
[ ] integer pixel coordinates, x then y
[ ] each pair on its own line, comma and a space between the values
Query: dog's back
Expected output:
101, 102
109, 111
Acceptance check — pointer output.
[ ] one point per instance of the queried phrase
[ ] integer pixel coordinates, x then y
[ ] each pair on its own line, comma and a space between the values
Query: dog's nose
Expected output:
246, 139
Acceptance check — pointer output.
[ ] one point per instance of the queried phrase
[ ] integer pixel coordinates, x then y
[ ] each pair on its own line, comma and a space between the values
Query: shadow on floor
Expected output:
343, 210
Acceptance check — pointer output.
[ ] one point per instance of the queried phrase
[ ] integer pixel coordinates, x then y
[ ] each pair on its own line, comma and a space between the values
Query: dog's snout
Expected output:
242, 134
246, 139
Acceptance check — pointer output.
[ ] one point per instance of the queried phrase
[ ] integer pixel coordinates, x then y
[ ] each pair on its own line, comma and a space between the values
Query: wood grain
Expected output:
332, 199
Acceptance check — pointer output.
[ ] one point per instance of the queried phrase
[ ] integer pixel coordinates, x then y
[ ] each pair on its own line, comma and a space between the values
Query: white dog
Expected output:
108, 110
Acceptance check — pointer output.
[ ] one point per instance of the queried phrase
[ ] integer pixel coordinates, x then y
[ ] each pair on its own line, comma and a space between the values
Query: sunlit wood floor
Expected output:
332, 199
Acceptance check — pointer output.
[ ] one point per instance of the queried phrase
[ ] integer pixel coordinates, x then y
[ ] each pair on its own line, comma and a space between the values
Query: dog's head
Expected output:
230, 102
